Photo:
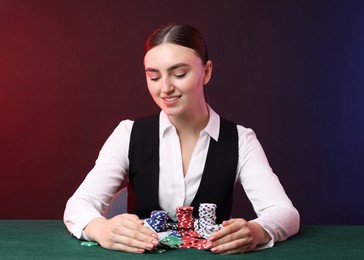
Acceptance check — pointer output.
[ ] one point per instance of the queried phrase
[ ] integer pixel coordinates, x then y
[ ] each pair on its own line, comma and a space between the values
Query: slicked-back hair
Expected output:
180, 34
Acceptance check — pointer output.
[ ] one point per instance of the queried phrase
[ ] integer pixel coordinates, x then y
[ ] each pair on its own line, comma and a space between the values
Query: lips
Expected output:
170, 99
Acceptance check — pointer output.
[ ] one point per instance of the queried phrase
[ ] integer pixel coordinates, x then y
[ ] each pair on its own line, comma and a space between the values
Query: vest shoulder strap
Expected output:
144, 166
219, 175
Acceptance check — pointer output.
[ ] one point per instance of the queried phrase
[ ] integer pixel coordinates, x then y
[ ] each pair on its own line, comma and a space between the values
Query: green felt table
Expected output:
49, 239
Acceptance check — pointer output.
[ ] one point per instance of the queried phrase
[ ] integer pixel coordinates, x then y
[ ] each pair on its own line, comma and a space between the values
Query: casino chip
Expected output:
195, 232
157, 220
168, 238
207, 220
188, 232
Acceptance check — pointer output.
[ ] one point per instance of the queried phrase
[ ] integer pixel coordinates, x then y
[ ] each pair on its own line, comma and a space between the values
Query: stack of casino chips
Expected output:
172, 225
168, 238
186, 226
185, 219
157, 220
192, 233
205, 225
194, 240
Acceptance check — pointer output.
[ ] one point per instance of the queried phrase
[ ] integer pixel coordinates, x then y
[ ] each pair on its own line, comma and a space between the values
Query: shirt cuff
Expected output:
270, 242
267, 245
83, 236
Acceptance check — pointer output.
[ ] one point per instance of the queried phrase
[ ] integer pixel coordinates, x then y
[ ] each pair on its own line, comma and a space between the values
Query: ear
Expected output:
208, 72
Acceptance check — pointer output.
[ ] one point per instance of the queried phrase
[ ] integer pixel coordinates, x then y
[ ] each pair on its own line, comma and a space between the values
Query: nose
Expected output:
167, 85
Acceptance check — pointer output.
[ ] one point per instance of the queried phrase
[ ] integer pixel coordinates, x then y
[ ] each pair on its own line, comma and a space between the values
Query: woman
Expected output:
178, 158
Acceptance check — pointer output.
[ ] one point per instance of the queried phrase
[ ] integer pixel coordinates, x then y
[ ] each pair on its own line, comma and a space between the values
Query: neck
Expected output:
192, 123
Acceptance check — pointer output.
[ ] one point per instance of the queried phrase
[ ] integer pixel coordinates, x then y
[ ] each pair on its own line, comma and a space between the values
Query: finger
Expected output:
131, 238
129, 233
134, 223
221, 233
231, 226
147, 231
236, 251
233, 247
126, 244
129, 217
235, 238
126, 248
134, 239
132, 217
139, 232
227, 223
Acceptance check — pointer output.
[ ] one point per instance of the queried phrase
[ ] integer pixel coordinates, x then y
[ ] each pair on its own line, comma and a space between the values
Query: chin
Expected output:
171, 112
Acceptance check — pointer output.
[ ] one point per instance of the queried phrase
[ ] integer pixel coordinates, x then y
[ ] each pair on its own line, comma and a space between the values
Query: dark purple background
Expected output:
291, 70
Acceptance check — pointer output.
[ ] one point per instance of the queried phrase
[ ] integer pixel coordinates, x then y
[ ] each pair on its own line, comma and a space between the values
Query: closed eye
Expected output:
180, 76
154, 78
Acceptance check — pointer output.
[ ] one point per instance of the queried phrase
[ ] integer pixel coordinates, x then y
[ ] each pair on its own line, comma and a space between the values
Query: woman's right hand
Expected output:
124, 232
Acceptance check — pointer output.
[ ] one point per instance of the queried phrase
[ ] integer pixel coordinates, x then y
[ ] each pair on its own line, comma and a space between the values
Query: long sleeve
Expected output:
275, 212
101, 183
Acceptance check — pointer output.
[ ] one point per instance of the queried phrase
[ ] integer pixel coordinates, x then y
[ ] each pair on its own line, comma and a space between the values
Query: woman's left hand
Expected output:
238, 236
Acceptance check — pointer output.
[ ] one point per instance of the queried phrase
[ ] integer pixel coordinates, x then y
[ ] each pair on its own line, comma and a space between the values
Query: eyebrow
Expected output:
176, 66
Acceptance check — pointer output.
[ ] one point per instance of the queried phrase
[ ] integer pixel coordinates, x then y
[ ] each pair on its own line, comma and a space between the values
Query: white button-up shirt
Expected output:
275, 212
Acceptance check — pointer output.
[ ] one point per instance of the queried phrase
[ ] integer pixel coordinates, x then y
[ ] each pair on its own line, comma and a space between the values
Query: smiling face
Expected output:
176, 77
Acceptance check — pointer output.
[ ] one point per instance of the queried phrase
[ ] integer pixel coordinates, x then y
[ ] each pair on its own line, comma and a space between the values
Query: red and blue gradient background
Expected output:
291, 70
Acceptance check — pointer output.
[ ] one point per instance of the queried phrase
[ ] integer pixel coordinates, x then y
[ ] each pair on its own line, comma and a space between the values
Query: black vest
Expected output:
218, 179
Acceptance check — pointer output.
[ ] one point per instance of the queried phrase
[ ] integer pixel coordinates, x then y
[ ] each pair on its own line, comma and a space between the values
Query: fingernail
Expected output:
214, 250
155, 242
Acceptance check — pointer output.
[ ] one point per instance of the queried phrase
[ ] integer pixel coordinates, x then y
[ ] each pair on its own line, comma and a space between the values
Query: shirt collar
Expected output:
212, 128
